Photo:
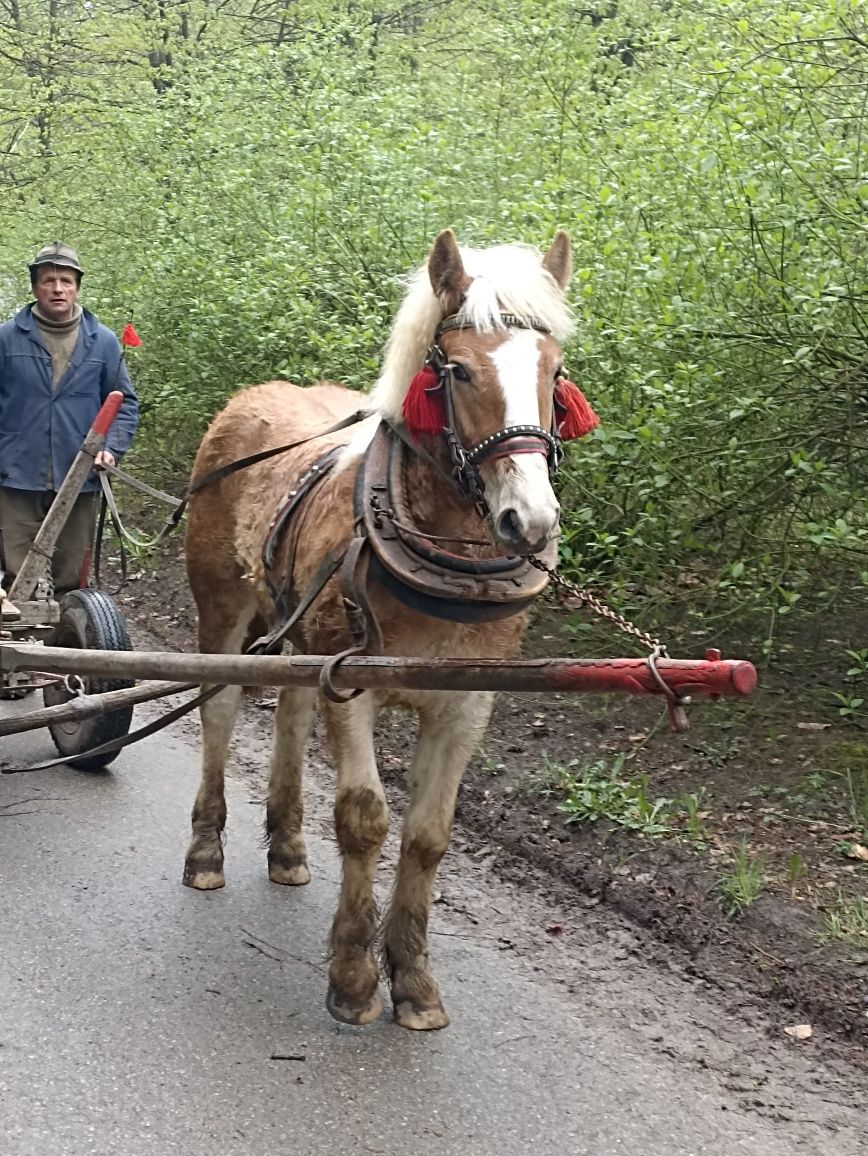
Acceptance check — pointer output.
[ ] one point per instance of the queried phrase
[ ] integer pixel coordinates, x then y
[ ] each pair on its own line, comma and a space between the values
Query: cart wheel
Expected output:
89, 620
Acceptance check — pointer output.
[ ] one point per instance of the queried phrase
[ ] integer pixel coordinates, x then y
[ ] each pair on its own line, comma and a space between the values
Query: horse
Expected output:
455, 446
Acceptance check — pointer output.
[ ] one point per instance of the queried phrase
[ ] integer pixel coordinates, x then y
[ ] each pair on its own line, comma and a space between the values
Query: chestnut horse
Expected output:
483, 327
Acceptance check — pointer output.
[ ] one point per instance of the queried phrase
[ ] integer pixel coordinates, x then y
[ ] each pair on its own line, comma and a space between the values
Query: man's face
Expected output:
56, 291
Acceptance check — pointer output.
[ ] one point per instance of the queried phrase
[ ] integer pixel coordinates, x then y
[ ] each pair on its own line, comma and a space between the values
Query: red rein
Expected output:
424, 412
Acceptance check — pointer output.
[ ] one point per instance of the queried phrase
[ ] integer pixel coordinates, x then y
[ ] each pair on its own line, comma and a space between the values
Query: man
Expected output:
57, 366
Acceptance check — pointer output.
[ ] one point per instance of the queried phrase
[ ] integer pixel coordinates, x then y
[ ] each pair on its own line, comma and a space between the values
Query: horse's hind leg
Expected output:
287, 855
450, 730
361, 823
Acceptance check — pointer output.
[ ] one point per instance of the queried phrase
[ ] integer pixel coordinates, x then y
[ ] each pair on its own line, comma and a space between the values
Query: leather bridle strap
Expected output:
528, 439
507, 320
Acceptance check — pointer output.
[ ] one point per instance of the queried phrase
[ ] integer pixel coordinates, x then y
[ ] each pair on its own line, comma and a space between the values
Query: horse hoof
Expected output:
203, 880
347, 1013
289, 874
421, 1019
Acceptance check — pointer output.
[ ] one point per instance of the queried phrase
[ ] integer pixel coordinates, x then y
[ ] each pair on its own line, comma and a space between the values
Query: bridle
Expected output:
512, 439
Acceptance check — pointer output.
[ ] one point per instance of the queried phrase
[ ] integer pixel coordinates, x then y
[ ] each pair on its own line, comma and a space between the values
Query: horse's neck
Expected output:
436, 506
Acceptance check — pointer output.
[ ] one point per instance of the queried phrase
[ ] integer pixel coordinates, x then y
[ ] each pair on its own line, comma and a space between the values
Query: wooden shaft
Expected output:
39, 555
569, 675
88, 706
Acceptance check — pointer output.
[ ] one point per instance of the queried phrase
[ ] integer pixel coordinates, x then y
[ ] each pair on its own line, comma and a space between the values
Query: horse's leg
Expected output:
203, 866
361, 823
449, 732
287, 855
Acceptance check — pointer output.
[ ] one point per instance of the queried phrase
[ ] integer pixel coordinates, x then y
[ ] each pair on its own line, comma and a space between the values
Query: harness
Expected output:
387, 547
405, 560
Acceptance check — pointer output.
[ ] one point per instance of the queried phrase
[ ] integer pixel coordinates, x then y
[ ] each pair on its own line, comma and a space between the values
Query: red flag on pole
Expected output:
129, 337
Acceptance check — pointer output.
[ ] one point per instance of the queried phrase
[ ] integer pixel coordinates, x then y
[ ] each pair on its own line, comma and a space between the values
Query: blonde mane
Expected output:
505, 279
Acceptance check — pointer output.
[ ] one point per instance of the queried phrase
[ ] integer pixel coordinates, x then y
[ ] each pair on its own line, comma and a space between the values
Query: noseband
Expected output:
512, 439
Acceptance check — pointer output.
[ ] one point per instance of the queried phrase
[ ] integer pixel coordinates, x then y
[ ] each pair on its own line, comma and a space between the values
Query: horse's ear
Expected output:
446, 271
559, 259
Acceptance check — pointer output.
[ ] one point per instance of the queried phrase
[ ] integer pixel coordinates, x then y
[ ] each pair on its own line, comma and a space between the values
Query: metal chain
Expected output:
657, 648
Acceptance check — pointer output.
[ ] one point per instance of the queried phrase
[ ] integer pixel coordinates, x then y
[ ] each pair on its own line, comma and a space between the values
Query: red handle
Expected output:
683, 676
108, 412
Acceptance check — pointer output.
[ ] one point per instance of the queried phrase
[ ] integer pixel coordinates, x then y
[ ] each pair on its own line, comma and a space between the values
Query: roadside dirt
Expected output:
764, 775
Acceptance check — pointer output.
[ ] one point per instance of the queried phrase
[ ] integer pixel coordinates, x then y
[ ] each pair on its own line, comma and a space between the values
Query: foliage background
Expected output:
247, 179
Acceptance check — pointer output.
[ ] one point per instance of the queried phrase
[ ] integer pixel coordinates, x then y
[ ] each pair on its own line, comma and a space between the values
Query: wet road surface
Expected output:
140, 1018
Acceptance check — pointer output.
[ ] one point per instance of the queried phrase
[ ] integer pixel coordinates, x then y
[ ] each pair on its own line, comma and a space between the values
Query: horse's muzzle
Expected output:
516, 537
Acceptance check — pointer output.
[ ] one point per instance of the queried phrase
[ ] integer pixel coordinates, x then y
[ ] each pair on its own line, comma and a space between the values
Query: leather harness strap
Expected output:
350, 559
217, 475
361, 619
284, 529
272, 643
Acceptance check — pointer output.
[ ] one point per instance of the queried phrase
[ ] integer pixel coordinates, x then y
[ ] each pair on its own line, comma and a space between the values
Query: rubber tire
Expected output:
89, 620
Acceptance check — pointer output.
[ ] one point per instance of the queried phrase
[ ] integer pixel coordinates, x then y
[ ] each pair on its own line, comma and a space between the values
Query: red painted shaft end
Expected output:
108, 412
744, 677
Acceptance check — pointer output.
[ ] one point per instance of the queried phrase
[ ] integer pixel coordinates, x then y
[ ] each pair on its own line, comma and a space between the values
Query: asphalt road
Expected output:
140, 1018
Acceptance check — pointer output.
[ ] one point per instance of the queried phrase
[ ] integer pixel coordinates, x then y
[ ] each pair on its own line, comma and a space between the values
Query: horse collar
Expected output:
418, 572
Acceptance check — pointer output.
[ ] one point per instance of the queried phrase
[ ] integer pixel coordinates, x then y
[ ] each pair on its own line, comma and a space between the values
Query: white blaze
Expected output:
517, 363
521, 483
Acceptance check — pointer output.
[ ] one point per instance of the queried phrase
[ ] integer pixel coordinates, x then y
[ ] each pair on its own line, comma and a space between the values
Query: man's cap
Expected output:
56, 253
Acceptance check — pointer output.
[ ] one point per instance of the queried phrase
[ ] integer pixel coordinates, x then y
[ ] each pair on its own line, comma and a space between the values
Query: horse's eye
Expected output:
459, 372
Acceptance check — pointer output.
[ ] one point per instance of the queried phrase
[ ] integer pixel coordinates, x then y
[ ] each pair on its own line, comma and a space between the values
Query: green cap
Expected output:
56, 253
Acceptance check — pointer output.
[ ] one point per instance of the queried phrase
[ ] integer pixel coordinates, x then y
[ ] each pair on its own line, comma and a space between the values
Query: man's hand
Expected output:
104, 458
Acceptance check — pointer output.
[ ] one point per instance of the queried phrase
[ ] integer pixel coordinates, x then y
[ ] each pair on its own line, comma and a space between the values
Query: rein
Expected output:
109, 505
222, 472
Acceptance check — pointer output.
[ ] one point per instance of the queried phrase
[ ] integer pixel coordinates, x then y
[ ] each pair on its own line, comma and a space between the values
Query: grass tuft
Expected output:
847, 922
742, 884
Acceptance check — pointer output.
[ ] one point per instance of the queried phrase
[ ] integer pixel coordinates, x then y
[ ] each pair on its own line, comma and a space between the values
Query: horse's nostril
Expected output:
508, 528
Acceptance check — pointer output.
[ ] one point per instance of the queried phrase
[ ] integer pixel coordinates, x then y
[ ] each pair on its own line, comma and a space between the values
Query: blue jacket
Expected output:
41, 430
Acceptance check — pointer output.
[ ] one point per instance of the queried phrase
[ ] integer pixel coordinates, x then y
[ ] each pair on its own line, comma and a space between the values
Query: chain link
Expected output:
657, 648
73, 684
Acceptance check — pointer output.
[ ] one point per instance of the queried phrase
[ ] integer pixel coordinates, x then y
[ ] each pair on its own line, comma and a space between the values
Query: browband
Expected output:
508, 320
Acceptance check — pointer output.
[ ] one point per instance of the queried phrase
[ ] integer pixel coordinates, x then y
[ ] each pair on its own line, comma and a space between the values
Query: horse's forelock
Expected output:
506, 278
511, 279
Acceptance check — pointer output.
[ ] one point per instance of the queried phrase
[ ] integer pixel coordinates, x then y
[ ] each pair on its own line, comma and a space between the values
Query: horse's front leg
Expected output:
449, 732
287, 854
203, 867
361, 824
223, 626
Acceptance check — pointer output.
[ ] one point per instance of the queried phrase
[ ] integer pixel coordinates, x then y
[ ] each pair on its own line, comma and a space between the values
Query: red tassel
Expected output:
423, 406
574, 416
